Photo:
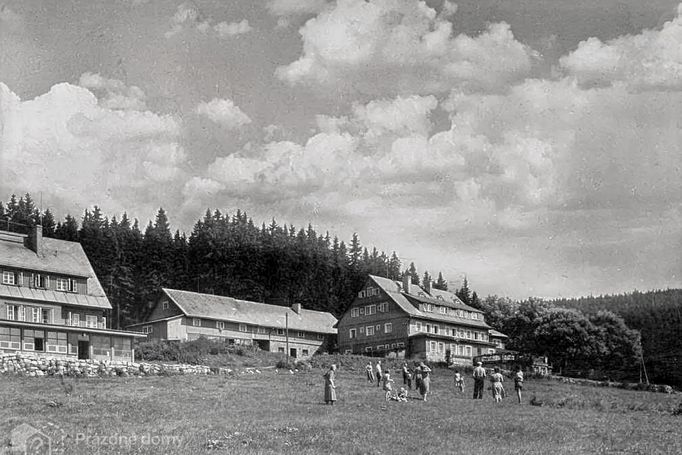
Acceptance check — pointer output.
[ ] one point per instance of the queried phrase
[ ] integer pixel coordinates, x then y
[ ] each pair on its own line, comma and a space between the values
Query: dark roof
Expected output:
194, 304
405, 301
59, 257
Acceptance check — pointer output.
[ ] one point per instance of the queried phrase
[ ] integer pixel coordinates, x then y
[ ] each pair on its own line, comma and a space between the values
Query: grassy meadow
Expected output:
284, 413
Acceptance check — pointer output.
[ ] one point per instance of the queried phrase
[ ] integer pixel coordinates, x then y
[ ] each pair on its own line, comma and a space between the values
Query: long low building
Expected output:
184, 315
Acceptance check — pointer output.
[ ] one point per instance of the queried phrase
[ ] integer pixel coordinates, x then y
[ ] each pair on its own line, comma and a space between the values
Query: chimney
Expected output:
35, 239
427, 286
407, 283
296, 307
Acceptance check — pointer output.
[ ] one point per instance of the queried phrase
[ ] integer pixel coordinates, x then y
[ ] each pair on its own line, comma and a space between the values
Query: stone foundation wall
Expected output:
31, 365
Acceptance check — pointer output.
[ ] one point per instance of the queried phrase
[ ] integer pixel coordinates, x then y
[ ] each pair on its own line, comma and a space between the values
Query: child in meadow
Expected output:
402, 394
387, 382
459, 381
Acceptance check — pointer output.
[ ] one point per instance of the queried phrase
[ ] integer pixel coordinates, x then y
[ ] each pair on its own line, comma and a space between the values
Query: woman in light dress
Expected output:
425, 384
498, 389
330, 386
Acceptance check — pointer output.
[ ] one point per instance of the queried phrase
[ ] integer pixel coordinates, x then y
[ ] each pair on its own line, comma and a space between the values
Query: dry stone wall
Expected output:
31, 365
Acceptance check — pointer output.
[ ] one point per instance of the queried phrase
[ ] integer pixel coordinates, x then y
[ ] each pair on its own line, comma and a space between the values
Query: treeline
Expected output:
657, 315
224, 254
600, 336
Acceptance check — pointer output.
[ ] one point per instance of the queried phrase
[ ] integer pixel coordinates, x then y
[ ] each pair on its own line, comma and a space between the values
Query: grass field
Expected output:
284, 413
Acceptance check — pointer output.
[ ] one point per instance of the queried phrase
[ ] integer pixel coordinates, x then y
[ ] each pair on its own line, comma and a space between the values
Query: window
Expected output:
428, 328
418, 326
280, 349
362, 329
468, 334
443, 310
10, 338
35, 314
220, 325
91, 321
320, 336
370, 309
348, 351
301, 334
368, 349
40, 281
383, 307
75, 319
441, 347
9, 277
435, 329
491, 351
354, 312
388, 327
433, 346
164, 305
369, 330
22, 313
62, 284
439, 297
56, 342
280, 331
474, 315
73, 285
243, 328
196, 322
46, 317
362, 310
305, 352
352, 333
401, 345
147, 329
11, 312
34, 340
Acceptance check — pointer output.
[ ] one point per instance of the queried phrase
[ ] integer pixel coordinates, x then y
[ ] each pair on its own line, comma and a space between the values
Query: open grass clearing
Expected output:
284, 413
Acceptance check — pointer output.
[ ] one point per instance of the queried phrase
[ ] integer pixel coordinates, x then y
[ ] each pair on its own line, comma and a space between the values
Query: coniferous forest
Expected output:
228, 254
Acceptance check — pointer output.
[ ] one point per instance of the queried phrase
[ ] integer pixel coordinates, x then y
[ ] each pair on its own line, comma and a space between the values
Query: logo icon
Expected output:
27, 440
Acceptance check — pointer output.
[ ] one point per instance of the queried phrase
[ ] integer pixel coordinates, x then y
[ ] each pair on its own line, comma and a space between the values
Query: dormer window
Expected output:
9, 277
439, 297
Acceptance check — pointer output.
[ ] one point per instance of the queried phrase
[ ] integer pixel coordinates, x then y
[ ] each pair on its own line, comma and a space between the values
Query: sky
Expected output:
532, 146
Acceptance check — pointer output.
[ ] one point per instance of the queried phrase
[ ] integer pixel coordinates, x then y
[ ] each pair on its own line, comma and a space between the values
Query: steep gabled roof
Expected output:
59, 257
207, 306
494, 333
405, 301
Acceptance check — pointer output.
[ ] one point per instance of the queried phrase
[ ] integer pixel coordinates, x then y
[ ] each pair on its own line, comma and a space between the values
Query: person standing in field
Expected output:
330, 386
370, 372
377, 368
518, 382
417, 376
425, 384
459, 381
479, 381
496, 379
406, 373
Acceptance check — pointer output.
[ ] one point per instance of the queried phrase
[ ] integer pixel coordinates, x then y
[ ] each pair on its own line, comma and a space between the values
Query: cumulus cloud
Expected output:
114, 93
69, 142
188, 17
223, 112
295, 7
223, 29
388, 47
650, 60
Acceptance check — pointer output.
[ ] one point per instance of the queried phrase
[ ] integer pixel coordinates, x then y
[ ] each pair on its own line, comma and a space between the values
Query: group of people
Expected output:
496, 380
422, 381
420, 373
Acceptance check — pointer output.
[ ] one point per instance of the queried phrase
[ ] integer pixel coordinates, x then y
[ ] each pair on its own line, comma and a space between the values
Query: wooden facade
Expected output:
185, 316
405, 320
51, 302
